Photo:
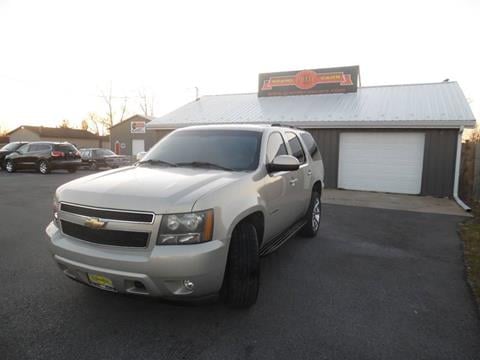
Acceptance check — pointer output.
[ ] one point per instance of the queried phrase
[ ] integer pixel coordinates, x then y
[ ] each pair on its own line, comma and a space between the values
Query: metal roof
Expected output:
51, 132
417, 105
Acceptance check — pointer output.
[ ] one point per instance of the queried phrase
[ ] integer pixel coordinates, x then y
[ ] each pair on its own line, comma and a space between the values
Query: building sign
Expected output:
303, 82
137, 127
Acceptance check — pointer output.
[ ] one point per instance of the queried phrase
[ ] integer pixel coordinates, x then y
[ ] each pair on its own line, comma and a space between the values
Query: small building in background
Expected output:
129, 136
4, 140
79, 138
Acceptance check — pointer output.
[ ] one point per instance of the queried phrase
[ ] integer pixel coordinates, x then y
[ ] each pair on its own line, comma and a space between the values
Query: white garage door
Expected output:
138, 145
387, 162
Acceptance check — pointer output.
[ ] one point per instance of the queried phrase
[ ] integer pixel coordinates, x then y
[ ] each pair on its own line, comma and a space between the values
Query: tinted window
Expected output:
296, 147
276, 146
311, 145
11, 147
65, 148
34, 147
85, 154
23, 149
233, 149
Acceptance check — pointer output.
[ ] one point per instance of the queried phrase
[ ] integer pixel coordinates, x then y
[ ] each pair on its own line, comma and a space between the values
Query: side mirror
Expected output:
140, 155
283, 163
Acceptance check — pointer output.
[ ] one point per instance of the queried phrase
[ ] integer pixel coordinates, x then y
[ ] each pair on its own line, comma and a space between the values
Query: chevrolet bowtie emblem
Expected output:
94, 223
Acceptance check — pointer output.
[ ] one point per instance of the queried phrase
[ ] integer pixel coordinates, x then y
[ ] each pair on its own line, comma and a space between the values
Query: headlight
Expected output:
56, 209
188, 228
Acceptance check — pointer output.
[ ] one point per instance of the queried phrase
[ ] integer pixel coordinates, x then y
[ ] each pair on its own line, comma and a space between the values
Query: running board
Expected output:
281, 239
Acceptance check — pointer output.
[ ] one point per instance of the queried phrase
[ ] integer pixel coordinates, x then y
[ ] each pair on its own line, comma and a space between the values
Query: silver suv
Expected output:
192, 218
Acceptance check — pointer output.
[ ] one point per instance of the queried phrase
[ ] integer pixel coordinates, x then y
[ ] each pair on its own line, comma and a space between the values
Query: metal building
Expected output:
399, 139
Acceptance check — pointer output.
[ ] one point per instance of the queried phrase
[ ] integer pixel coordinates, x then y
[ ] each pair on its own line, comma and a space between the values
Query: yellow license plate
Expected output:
101, 281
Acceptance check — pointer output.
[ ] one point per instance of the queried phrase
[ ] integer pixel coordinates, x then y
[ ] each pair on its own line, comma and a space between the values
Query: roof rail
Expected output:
285, 125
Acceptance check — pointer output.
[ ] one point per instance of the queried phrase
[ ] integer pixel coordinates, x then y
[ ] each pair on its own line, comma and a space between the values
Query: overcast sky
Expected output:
57, 56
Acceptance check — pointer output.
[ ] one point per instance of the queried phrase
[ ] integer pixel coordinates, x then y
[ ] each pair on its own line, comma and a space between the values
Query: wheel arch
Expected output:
254, 216
318, 186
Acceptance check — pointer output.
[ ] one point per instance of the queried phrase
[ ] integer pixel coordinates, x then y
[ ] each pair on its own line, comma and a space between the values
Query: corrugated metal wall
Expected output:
328, 142
438, 161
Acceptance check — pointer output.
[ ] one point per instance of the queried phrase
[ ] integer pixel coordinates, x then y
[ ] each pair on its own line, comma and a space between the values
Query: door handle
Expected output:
293, 181
309, 172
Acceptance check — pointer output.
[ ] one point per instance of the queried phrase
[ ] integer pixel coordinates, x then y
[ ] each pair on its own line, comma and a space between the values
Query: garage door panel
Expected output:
388, 162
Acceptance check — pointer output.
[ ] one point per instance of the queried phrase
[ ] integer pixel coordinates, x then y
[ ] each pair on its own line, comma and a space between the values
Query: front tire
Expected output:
93, 166
43, 167
313, 216
242, 274
9, 166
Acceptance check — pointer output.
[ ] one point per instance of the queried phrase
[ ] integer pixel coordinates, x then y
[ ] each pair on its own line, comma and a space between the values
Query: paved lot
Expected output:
375, 284
423, 204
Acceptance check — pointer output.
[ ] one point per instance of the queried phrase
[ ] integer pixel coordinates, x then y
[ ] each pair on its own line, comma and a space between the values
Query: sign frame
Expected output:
337, 80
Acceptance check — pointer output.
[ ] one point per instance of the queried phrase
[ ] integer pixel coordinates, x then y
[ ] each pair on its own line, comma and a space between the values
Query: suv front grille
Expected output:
109, 214
105, 237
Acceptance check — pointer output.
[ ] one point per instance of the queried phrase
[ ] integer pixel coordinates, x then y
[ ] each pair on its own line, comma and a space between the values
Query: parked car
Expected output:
44, 157
96, 158
8, 149
140, 155
193, 217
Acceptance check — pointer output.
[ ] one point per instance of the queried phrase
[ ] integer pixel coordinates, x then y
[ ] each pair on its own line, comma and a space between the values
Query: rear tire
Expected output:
242, 273
10, 166
72, 170
313, 216
93, 166
43, 167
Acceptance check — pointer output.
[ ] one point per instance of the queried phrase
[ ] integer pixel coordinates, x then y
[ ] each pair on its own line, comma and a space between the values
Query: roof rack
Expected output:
285, 125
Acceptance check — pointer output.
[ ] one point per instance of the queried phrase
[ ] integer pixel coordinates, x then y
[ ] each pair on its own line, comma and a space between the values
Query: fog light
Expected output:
189, 285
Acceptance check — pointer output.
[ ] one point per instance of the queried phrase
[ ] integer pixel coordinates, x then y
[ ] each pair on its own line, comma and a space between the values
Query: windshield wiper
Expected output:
155, 162
204, 164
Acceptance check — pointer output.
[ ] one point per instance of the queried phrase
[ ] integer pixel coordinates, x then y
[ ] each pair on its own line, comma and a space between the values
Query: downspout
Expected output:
457, 172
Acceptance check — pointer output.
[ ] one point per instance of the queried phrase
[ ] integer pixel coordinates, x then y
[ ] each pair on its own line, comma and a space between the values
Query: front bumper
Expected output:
158, 271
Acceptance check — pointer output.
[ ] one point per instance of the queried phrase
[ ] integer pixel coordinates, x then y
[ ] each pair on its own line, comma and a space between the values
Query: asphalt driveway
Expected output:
375, 284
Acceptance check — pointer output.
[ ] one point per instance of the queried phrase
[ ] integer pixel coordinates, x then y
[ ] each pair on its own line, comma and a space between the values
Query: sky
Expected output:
57, 57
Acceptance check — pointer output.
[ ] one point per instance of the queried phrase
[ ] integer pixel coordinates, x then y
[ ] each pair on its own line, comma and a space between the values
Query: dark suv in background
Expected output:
44, 157
96, 158
8, 149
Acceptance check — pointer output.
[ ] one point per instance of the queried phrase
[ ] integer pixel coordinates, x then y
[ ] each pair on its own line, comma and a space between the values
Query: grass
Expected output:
470, 234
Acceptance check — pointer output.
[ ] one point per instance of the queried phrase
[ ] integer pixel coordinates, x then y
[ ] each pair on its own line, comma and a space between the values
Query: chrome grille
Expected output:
119, 215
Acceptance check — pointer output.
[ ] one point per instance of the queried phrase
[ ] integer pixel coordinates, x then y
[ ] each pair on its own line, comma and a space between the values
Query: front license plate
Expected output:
101, 282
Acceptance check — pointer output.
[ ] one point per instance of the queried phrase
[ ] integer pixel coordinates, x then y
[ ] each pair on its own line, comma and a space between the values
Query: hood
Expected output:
146, 188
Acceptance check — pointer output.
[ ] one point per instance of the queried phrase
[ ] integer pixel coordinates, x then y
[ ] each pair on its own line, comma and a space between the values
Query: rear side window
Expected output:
296, 147
65, 148
275, 147
33, 147
311, 145
39, 147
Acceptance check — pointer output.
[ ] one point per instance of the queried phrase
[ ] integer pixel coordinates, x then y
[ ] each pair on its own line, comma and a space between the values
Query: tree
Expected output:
94, 123
3, 130
146, 102
474, 135
65, 124
111, 101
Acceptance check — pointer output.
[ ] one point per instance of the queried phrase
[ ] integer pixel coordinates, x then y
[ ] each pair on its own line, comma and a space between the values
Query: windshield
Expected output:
11, 147
105, 152
229, 149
